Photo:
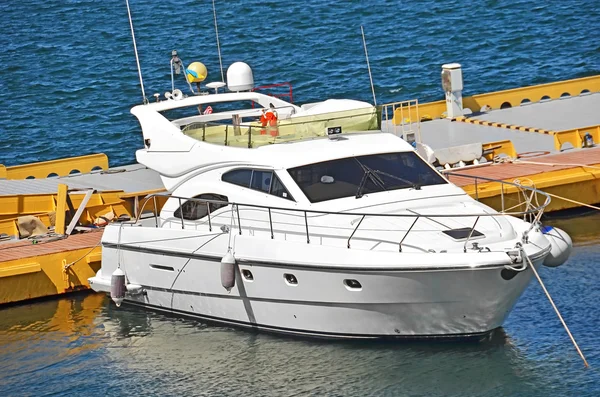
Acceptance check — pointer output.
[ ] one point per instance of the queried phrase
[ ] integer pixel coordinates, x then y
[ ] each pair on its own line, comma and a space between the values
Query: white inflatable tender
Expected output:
561, 246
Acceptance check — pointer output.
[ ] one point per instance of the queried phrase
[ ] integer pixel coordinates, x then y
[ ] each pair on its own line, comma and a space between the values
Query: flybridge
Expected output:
235, 119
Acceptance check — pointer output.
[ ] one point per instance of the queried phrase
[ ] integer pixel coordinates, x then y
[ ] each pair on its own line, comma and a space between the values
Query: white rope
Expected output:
554, 306
68, 265
508, 159
573, 201
137, 59
556, 164
231, 224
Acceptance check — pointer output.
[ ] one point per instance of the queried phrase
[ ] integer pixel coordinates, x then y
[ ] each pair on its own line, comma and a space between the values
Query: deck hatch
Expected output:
462, 233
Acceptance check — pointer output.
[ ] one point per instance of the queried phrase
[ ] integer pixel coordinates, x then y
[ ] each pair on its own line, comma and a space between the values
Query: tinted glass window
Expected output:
238, 177
193, 210
277, 189
355, 176
261, 180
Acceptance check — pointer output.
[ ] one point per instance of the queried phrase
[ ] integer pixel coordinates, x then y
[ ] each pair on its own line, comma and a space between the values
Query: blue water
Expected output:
86, 346
69, 79
69, 75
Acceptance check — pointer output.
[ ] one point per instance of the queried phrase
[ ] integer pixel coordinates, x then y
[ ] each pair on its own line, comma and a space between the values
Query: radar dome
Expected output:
196, 72
239, 77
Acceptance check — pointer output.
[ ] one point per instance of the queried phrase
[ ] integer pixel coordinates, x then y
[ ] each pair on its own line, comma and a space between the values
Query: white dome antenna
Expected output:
239, 77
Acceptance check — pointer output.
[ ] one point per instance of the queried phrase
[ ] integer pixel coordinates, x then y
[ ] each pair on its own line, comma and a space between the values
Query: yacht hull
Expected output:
390, 303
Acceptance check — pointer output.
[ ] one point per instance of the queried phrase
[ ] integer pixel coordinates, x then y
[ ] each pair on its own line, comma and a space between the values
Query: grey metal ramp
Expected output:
444, 133
556, 115
129, 178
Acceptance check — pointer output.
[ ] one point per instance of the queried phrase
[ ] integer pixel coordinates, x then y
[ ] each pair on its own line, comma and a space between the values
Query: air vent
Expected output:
162, 267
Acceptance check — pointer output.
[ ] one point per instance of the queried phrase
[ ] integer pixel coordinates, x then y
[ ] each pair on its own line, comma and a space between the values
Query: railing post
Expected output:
203, 132
306, 223
502, 194
237, 209
155, 212
249, 137
355, 229
270, 223
226, 131
476, 190
208, 210
470, 234
408, 231
180, 212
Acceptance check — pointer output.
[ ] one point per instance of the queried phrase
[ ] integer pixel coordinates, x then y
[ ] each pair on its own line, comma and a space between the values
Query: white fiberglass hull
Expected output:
456, 301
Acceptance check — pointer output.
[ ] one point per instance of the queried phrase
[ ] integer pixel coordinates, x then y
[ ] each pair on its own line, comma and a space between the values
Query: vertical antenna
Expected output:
218, 45
368, 66
137, 59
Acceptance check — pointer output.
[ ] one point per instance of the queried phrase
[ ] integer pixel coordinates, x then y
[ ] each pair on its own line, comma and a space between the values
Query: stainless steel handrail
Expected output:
536, 212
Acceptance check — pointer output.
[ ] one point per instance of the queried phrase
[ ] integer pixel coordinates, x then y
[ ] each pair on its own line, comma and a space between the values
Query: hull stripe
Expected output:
347, 269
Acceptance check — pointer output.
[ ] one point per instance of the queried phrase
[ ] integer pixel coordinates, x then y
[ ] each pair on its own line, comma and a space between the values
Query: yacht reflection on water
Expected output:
314, 365
145, 344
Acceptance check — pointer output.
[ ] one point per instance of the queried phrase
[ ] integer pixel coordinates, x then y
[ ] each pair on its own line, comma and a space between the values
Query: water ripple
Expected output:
70, 77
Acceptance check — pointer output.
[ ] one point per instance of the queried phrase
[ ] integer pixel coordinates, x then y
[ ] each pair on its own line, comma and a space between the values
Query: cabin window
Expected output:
240, 177
277, 189
356, 176
261, 180
193, 210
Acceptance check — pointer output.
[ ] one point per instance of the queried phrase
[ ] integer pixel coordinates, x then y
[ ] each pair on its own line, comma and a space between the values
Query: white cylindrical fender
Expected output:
561, 246
118, 286
228, 271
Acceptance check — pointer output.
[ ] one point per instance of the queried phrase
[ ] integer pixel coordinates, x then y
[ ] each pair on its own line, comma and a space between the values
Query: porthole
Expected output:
247, 275
290, 279
352, 284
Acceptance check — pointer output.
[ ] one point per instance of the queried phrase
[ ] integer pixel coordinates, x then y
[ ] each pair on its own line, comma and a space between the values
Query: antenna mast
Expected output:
218, 45
368, 66
137, 59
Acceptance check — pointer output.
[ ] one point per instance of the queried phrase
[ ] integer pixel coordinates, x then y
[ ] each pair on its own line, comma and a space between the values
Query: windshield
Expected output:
356, 176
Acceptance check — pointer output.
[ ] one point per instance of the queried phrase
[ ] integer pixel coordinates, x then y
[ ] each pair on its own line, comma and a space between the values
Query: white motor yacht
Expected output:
316, 231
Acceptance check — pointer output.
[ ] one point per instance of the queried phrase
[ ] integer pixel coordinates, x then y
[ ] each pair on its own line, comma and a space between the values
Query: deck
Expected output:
22, 249
525, 167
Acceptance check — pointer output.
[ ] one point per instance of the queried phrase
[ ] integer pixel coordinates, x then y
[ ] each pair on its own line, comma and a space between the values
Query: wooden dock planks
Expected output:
524, 167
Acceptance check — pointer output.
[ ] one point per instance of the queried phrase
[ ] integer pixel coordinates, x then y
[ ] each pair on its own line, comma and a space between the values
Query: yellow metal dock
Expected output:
69, 197
538, 134
34, 268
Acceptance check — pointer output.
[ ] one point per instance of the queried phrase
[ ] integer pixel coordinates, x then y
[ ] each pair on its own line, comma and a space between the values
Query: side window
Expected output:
238, 177
193, 210
261, 180
277, 189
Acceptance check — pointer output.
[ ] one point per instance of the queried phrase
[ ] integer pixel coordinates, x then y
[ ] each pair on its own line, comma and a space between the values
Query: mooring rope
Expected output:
573, 201
554, 306
508, 159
